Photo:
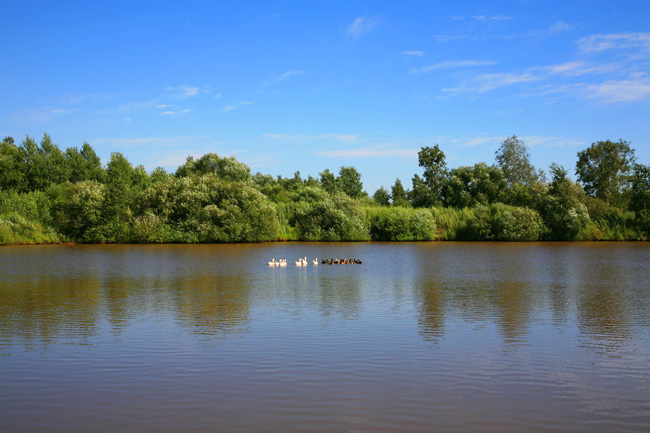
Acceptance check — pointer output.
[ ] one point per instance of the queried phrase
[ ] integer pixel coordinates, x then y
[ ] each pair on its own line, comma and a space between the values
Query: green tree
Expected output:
84, 164
514, 160
432, 159
12, 166
500, 222
83, 211
398, 194
227, 168
420, 195
350, 181
44, 164
640, 195
561, 211
159, 174
336, 218
119, 196
481, 184
382, 197
604, 168
328, 181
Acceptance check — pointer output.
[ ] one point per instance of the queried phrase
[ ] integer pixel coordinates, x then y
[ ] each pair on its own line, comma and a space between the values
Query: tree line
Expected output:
49, 195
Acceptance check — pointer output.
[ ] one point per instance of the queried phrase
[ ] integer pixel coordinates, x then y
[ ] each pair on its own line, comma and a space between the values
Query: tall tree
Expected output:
514, 160
420, 195
381, 197
84, 164
640, 195
328, 181
467, 186
398, 194
562, 212
604, 168
350, 181
432, 159
12, 166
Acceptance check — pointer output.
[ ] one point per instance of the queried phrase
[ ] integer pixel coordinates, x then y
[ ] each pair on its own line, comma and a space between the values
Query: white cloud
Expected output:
487, 82
282, 77
413, 53
40, 115
578, 68
175, 160
453, 64
301, 138
600, 42
149, 141
237, 105
531, 141
449, 38
620, 90
541, 141
360, 25
184, 91
484, 18
174, 113
560, 26
370, 152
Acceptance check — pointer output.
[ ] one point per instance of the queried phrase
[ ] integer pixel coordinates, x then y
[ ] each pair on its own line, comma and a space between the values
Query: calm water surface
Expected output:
467, 337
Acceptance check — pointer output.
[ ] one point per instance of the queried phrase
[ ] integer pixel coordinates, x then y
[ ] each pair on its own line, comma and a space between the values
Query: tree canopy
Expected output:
604, 168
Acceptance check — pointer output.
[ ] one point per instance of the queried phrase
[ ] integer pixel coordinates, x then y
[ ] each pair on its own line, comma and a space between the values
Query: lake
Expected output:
420, 337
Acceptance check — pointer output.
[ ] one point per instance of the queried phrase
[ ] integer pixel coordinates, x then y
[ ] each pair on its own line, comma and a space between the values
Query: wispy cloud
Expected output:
485, 18
531, 141
615, 81
449, 38
303, 138
453, 64
560, 26
174, 113
577, 68
482, 18
600, 42
40, 115
285, 76
613, 91
487, 82
413, 53
370, 152
542, 141
237, 105
360, 25
157, 142
185, 91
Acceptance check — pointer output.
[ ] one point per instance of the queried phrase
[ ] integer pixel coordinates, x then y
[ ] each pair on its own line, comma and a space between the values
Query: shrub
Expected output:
336, 218
401, 224
500, 222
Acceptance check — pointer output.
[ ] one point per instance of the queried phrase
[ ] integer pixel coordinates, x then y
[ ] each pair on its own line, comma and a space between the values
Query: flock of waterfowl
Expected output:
303, 262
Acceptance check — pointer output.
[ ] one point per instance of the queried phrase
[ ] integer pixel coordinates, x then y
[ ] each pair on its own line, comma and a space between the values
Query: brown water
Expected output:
468, 337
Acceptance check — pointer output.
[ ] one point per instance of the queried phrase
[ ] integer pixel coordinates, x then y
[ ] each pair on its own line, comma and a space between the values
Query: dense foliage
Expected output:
48, 196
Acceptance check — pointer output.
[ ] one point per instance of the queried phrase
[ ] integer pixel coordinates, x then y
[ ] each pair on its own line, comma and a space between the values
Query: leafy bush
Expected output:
206, 209
26, 218
452, 222
401, 224
500, 222
336, 218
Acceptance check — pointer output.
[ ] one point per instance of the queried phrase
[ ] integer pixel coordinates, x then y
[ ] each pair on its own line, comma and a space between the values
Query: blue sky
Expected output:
287, 86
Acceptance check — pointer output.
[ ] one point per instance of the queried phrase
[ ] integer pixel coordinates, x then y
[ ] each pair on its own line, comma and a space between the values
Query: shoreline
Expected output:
303, 241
